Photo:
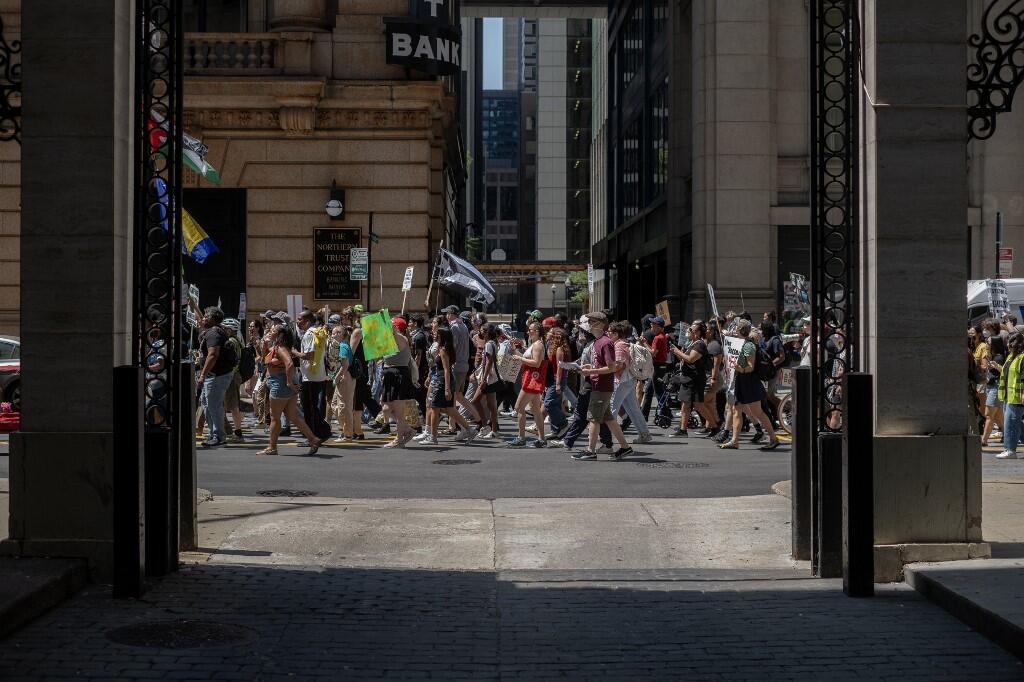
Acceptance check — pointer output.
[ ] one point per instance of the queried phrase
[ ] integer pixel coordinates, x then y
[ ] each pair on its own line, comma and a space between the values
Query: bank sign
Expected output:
428, 40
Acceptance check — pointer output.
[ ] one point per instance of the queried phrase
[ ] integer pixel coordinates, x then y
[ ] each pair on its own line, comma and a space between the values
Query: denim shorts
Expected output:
992, 396
279, 388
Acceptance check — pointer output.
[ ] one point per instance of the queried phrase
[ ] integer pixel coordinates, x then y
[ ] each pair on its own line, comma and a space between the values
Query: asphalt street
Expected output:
691, 467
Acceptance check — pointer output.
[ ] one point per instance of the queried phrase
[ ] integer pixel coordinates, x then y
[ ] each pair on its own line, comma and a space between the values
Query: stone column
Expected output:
77, 178
733, 156
927, 466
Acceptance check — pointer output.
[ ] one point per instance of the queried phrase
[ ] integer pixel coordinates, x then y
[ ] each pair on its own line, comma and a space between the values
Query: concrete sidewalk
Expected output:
504, 534
987, 595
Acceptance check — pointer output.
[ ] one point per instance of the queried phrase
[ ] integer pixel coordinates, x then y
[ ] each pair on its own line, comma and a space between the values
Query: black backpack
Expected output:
227, 351
247, 363
764, 368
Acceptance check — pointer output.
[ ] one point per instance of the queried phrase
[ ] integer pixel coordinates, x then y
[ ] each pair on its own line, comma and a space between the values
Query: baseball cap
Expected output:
269, 314
598, 316
535, 313
358, 307
334, 319
549, 322
584, 323
399, 322
505, 329
660, 321
450, 310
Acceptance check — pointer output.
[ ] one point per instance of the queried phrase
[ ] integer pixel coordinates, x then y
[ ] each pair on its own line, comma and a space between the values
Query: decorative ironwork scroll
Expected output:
998, 69
159, 40
835, 54
10, 88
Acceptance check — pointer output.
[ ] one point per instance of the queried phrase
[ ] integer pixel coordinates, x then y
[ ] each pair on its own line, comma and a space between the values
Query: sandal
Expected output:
729, 446
313, 447
267, 451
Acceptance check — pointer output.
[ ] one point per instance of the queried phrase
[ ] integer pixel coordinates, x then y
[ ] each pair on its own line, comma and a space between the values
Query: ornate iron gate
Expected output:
158, 206
10, 88
835, 192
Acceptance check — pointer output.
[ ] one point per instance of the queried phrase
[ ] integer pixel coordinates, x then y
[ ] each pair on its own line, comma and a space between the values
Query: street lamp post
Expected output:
568, 283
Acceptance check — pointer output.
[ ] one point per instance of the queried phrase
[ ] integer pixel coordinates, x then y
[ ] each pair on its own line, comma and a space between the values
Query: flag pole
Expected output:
433, 275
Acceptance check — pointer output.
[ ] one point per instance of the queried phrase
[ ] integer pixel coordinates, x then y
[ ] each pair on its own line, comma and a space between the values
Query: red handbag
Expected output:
533, 377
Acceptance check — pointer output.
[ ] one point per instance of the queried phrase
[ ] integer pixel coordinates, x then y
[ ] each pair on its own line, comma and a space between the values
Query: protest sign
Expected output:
590, 278
294, 306
802, 292
242, 310
378, 336
998, 302
359, 264
662, 310
733, 347
714, 303
190, 311
407, 280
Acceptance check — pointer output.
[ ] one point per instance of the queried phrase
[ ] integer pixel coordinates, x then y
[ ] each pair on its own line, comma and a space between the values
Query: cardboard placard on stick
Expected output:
662, 310
714, 303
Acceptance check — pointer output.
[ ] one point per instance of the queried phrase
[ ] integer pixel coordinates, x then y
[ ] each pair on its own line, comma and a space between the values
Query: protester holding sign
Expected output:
749, 392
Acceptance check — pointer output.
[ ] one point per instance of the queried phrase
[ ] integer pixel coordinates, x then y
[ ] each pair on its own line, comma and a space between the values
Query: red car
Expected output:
10, 371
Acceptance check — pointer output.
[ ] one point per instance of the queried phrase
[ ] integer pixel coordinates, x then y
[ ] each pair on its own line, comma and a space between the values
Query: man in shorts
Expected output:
463, 350
601, 374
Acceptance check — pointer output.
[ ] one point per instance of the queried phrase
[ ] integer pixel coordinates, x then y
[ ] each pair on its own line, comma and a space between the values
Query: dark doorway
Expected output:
221, 213
794, 257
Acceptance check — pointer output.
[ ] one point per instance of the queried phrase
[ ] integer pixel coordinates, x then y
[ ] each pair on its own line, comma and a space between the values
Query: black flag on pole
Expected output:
460, 277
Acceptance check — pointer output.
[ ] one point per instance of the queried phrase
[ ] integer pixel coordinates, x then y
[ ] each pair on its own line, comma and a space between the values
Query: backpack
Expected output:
247, 363
641, 362
764, 368
229, 352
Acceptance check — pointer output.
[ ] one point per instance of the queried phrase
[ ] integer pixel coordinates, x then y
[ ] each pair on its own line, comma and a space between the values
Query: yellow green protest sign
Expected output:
378, 336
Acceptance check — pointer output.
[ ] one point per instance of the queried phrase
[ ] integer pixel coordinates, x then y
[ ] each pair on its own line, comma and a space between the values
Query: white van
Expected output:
977, 299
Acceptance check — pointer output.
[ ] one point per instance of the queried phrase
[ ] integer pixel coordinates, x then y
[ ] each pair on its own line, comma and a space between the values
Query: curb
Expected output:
1003, 632
36, 586
784, 489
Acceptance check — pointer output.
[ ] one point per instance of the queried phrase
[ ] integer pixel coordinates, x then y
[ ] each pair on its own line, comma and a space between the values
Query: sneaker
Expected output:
517, 442
643, 439
605, 450
462, 436
210, 443
235, 439
679, 433
584, 456
383, 430
422, 437
285, 432
539, 444
473, 433
532, 428
557, 443
484, 431
713, 432
1007, 454
508, 413
622, 452
758, 437
490, 435
429, 440
555, 435
723, 436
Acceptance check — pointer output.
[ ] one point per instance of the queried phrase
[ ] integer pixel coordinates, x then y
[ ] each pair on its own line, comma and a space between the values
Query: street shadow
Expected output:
644, 460
352, 623
234, 552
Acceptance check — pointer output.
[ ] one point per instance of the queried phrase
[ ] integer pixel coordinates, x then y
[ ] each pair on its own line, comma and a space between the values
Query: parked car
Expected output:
10, 371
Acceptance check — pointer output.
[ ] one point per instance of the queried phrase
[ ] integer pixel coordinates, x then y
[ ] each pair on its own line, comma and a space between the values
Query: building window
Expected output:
491, 202
509, 203
633, 45
631, 169
216, 16
659, 140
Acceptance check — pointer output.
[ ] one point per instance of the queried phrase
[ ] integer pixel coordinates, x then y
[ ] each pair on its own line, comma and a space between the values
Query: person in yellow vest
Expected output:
1011, 394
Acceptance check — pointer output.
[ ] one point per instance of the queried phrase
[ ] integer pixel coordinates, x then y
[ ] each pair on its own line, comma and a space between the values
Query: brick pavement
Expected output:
369, 624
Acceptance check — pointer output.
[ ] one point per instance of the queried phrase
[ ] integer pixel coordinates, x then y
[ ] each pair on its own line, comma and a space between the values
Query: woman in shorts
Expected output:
284, 392
397, 384
532, 392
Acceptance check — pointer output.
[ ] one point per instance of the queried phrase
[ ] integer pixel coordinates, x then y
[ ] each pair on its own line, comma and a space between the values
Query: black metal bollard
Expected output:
858, 486
830, 506
187, 506
801, 462
129, 484
159, 497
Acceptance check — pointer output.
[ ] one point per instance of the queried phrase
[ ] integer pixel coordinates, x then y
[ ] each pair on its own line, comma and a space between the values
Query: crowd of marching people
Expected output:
579, 385
996, 381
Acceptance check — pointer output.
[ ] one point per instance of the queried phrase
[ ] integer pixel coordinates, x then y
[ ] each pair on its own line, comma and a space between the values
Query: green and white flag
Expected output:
193, 154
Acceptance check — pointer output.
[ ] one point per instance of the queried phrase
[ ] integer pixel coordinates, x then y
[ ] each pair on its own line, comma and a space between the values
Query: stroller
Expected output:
669, 401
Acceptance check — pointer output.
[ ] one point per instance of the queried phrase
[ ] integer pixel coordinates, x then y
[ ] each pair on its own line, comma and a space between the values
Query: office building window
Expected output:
633, 45
659, 140
632, 202
509, 203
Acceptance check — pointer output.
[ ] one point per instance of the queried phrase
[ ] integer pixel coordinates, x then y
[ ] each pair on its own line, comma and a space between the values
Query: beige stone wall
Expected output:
10, 203
381, 142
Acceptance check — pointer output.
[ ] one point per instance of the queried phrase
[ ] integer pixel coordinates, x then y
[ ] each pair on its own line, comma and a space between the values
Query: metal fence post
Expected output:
129, 486
858, 486
187, 505
801, 462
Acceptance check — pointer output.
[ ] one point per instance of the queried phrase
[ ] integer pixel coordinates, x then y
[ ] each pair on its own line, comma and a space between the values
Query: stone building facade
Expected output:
302, 98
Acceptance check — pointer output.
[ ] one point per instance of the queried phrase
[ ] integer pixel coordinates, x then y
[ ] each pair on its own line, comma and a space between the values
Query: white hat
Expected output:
584, 323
